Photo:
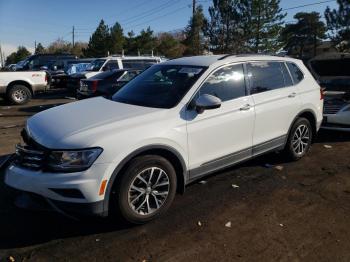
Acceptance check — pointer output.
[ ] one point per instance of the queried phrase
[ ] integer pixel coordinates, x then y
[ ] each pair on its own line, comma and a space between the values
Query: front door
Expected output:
220, 137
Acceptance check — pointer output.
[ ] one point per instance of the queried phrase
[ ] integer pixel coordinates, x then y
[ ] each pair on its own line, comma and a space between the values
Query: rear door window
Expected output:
265, 76
296, 73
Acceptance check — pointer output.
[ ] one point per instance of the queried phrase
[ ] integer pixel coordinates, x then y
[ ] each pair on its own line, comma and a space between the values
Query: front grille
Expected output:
30, 157
333, 106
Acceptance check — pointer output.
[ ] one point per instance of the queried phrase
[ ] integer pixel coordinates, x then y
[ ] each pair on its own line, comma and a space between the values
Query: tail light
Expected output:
322, 93
46, 78
94, 85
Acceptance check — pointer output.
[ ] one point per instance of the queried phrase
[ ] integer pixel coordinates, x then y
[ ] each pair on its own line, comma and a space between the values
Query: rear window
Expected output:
296, 73
339, 67
139, 63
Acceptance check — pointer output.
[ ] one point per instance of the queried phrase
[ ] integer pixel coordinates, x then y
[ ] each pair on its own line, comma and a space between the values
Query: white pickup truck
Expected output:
19, 87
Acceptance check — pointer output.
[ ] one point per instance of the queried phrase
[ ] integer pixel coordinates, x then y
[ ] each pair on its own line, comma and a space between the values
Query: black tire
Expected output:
19, 94
296, 148
123, 197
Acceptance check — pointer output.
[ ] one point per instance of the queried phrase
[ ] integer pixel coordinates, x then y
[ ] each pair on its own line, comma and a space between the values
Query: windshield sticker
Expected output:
190, 70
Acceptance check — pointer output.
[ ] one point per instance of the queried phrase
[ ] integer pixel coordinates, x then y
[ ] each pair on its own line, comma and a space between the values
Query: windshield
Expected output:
96, 65
160, 86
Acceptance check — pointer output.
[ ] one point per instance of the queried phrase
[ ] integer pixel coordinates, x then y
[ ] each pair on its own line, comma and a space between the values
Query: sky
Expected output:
22, 22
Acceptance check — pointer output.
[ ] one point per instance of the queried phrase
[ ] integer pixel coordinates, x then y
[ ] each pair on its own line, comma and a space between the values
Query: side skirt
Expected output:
235, 158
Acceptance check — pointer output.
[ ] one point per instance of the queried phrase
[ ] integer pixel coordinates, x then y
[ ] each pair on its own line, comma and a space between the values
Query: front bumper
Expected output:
70, 192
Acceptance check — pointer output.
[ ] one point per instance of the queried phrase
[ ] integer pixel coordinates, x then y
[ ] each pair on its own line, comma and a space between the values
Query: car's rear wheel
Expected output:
19, 94
299, 140
146, 189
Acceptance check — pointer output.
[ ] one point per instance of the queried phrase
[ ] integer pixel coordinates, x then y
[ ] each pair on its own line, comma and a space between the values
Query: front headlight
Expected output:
73, 160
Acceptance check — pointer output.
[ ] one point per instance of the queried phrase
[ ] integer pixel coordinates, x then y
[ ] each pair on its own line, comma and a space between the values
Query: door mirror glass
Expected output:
206, 102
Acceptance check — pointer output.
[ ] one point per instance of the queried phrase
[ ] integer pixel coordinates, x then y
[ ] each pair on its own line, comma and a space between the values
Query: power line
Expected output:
159, 17
300, 6
141, 15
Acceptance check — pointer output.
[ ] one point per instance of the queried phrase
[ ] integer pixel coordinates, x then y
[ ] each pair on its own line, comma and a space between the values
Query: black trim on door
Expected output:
237, 157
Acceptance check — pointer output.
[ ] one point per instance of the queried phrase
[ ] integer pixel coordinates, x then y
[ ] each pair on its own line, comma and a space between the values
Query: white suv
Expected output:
174, 123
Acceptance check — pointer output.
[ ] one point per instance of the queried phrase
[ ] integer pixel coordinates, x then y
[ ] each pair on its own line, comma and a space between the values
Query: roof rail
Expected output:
251, 54
225, 56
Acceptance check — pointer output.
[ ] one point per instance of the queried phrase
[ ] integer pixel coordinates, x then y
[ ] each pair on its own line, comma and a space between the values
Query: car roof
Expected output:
216, 60
132, 57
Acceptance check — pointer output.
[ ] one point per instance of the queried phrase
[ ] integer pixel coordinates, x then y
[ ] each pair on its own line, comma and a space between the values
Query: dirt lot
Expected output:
300, 213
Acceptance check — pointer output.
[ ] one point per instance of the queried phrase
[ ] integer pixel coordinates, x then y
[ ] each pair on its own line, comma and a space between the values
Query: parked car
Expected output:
19, 87
10, 67
333, 73
59, 77
77, 68
172, 124
112, 63
106, 83
36, 62
53, 64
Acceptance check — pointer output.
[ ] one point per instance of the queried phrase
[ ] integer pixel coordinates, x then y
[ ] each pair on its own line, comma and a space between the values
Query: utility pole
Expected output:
193, 7
73, 32
34, 46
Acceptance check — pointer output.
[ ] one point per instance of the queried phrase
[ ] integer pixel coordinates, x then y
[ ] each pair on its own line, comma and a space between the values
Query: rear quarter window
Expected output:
295, 72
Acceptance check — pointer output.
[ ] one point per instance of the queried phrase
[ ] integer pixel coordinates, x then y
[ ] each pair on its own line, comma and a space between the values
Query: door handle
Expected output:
245, 107
292, 95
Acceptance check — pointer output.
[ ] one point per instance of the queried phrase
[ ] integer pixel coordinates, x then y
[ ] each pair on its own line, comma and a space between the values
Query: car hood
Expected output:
65, 126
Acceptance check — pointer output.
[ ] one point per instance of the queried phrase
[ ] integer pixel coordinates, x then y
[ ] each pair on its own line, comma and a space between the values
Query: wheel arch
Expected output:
169, 153
310, 115
20, 82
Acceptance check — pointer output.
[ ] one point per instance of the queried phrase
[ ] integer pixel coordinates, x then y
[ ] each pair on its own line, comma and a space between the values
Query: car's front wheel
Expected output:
299, 140
146, 189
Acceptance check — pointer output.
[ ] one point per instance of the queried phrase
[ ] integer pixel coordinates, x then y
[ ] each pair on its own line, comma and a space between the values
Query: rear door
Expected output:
220, 137
276, 100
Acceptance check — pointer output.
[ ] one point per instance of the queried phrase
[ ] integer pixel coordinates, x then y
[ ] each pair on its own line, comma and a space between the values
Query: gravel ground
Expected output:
299, 213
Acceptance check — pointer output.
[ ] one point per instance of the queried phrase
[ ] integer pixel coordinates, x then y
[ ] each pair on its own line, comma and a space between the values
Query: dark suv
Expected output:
106, 83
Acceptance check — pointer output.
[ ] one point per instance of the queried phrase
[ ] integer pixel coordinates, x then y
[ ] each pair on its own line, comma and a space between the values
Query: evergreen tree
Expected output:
99, 42
338, 22
117, 39
169, 47
194, 33
39, 49
226, 26
17, 56
265, 20
130, 43
145, 41
308, 30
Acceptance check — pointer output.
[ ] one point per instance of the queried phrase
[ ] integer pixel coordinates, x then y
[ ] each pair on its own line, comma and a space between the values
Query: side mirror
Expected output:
207, 102
105, 68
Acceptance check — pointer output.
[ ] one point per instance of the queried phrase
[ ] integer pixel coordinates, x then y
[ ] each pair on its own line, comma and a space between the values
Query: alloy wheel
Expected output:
301, 139
148, 191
